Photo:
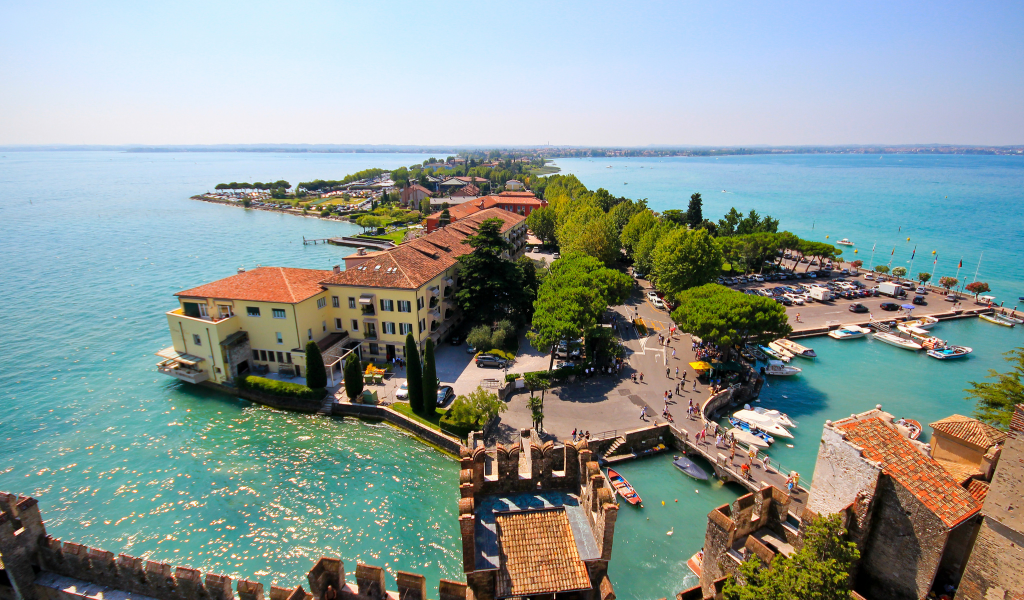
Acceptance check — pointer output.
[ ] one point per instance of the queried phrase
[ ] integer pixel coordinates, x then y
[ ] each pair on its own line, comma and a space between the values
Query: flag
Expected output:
893, 253
873, 247
961, 265
914, 253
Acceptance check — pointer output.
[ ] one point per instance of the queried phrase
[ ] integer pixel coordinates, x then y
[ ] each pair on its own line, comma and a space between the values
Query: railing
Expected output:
605, 435
369, 310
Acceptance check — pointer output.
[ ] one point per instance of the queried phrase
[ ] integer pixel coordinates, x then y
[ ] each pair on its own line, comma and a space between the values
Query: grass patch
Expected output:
432, 421
545, 170
397, 236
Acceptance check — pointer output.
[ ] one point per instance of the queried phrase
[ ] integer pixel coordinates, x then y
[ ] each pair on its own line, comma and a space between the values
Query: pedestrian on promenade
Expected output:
673, 353
643, 413
766, 463
745, 469
695, 384
718, 440
684, 374
751, 454
798, 318
677, 372
574, 434
732, 452
641, 377
677, 388
668, 371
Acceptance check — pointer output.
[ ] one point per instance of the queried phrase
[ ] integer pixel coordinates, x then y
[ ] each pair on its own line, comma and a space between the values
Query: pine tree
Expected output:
316, 373
694, 213
429, 379
413, 374
353, 377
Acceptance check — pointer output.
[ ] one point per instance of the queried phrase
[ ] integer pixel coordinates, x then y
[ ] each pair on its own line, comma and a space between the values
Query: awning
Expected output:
235, 338
700, 366
172, 354
366, 299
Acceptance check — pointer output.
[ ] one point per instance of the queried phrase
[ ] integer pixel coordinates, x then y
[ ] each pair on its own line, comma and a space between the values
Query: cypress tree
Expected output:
429, 379
414, 374
316, 373
353, 377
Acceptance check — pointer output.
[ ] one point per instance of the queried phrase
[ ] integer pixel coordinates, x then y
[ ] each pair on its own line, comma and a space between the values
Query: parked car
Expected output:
890, 306
470, 349
919, 300
656, 301
857, 307
652, 295
455, 340
489, 360
445, 396
402, 393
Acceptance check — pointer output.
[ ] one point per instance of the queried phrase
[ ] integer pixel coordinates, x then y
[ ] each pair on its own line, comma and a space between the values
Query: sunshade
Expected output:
908, 306
700, 366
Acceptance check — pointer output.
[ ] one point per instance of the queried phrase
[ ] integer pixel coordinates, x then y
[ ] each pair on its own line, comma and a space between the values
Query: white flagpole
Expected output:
979, 266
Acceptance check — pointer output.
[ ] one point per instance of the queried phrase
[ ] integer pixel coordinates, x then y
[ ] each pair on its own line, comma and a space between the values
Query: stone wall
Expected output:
996, 567
371, 411
841, 475
278, 402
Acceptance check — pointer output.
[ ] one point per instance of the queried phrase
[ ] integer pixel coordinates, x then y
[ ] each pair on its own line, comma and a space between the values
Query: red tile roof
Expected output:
978, 489
919, 474
414, 263
264, 284
538, 555
969, 430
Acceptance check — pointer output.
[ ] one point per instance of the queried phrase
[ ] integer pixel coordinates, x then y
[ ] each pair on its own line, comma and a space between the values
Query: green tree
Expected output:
594, 237
995, 400
353, 377
414, 375
316, 373
643, 252
977, 287
727, 225
536, 406
638, 225
679, 217
479, 338
684, 259
820, 570
948, 282
490, 286
924, 277
899, 271
475, 409
622, 212
694, 212
542, 222
429, 379
881, 269
725, 317
445, 218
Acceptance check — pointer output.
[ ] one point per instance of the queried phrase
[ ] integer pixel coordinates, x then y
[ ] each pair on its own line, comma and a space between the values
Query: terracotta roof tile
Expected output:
959, 471
969, 430
264, 284
926, 479
538, 554
978, 489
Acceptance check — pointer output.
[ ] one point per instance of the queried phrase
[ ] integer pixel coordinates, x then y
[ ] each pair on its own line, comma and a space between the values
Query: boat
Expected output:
762, 422
778, 417
751, 440
845, 242
690, 468
895, 340
751, 429
782, 352
996, 320
950, 352
922, 322
1011, 319
849, 332
777, 368
757, 353
623, 488
796, 348
912, 426
696, 562
773, 354
747, 355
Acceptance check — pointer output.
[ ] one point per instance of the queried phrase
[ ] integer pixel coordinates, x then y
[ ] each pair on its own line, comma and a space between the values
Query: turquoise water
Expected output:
126, 459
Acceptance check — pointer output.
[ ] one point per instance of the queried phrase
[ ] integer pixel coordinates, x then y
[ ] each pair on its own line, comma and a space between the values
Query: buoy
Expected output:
663, 503
697, 491
789, 445
908, 239
677, 499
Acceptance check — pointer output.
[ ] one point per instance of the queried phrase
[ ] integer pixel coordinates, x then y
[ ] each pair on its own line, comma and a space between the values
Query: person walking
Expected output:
668, 371
673, 353
732, 453
643, 413
677, 372
798, 318
641, 377
695, 384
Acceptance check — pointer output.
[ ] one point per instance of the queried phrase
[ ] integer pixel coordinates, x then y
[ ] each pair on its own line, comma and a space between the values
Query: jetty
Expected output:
351, 242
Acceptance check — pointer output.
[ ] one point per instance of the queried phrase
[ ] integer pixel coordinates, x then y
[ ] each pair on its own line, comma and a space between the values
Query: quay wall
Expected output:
279, 402
436, 438
945, 316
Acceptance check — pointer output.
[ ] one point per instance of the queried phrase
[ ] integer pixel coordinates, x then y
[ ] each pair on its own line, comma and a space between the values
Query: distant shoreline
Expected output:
297, 212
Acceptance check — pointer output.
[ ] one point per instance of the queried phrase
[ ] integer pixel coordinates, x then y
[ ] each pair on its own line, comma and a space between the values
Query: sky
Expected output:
512, 73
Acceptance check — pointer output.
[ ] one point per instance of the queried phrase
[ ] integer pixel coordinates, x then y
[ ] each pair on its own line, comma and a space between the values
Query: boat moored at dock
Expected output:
849, 332
796, 349
778, 369
762, 422
895, 340
624, 489
689, 467
949, 352
996, 320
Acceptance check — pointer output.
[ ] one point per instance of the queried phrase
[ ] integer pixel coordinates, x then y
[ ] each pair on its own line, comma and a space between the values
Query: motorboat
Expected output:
762, 422
748, 438
774, 355
761, 356
778, 417
950, 352
782, 352
845, 242
751, 429
895, 340
690, 468
849, 332
796, 349
778, 369
909, 427
623, 488
922, 322
996, 320
1011, 319
696, 561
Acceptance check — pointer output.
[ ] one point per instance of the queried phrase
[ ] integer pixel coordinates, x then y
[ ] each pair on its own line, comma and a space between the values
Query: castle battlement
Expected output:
39, 567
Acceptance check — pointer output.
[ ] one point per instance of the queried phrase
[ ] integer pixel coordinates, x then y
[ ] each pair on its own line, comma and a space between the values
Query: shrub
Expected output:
353, 377
480, 337
472, 411
511, 377
501, 354
284, 389
316, 372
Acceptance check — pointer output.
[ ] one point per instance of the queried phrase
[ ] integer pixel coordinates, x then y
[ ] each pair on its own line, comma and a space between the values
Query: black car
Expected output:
455, 340
488, 360
890, 306
919, 300
857, 307
445, 396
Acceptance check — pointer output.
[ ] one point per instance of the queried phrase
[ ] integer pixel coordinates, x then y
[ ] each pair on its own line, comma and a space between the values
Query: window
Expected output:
371, 331
325, 325
279, 313
374, 349
263, 355
288, 357
335, 303
423, 325
404, 306
252, 311
388, 327
280, 356
280, 338
309, 333
198, 341
337, 324
355, 325
405, 328
321, 302
255, 354
388, 305
270, 355
419, 303
351, 302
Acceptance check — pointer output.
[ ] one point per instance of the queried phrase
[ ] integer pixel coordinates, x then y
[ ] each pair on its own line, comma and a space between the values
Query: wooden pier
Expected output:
351, 242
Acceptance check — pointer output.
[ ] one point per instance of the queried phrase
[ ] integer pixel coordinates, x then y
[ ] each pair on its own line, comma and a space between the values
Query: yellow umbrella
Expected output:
700, 366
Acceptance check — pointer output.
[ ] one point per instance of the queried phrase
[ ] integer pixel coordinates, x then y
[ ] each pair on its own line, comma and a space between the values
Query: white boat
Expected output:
849, 332
747, 438
784, 354
771, 354
996, 320
777, 368
1014, 320
762, 422
950, 352
895, 340
779, 417
796, 349
845, 242
922, 322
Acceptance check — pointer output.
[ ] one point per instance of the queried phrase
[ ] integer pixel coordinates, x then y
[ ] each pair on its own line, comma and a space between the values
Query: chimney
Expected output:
337, 268
241, 270
361, 251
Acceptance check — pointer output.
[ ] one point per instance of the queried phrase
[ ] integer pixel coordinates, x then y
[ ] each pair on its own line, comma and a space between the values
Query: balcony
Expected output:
367, 309
434, 291
207, 318
181, 366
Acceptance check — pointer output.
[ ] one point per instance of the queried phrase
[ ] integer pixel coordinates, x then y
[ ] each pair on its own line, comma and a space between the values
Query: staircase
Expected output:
615, 446
325, 408
879, 326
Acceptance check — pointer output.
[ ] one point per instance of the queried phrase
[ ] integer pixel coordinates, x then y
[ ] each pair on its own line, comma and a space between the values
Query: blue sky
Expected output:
580, 73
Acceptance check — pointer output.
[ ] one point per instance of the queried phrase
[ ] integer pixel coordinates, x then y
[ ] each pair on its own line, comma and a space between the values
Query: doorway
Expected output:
390, 352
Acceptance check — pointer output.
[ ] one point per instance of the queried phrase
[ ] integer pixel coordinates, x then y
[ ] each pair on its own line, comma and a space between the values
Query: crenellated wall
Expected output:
41, 567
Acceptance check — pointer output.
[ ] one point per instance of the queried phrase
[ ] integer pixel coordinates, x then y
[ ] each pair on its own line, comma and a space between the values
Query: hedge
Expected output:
284, 389
501, 354
460, 431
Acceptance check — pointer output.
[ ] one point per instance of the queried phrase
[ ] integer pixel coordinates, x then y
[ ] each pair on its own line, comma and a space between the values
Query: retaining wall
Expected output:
371, 411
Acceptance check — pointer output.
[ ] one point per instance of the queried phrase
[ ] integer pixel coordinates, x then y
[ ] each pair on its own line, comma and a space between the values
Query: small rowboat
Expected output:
996, 320
624, 489
690, 468
950, 352
695, 563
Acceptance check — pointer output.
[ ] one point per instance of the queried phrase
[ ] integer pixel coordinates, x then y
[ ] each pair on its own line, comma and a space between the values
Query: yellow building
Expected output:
259, 321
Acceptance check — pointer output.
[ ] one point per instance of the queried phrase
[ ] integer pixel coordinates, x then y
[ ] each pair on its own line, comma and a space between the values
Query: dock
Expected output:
351, 242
